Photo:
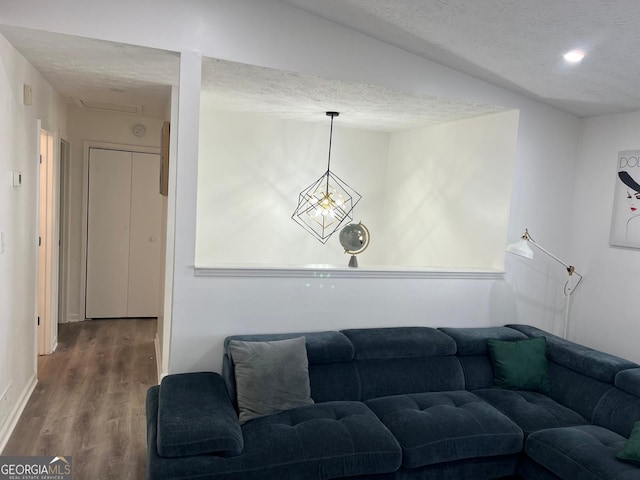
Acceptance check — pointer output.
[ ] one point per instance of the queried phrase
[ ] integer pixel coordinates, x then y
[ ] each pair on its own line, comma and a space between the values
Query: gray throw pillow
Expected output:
271, 377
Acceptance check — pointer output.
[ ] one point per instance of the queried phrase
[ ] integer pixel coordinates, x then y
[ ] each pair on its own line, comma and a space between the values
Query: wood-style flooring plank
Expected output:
90, 397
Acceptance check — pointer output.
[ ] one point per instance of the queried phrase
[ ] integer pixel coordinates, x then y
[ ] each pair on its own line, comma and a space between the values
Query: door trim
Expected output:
65, 219
87, 145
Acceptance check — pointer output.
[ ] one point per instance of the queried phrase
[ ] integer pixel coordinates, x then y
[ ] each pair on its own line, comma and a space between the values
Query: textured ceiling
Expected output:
517, 44
117, 73
97, 70
239, 87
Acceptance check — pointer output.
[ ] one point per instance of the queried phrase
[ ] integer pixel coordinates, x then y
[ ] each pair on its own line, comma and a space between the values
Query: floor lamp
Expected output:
523, 249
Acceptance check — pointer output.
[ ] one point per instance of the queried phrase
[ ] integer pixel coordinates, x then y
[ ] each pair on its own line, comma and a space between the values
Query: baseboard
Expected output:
12, 420
75, 317
156, 342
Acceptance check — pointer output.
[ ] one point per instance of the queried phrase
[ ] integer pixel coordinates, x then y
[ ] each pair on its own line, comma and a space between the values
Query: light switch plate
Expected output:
17, 179
26, 94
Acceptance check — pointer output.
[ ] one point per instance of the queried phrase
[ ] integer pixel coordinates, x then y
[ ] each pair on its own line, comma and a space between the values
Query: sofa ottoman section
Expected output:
586, 452
320, 441
438, 427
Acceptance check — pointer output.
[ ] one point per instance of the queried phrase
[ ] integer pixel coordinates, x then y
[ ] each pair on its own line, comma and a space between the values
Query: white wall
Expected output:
251, 170
272, 34
103, 127
607, 303
433, 196
543, 186
448, 190
18, 210
207, 309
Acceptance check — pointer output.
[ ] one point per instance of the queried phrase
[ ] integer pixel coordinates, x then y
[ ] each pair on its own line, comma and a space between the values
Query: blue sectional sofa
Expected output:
404, 403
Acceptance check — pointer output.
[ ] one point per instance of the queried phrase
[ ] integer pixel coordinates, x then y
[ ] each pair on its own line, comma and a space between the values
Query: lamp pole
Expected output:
568, 286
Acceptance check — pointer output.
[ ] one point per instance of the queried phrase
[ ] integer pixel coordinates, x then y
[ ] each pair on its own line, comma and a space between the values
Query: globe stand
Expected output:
353, 261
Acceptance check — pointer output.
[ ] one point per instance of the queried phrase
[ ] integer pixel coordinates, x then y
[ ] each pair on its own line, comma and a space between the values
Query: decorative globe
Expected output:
354, 238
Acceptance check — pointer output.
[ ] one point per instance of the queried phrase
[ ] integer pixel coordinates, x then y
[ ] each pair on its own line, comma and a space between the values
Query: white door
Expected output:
109, 214
124, 228
144, 245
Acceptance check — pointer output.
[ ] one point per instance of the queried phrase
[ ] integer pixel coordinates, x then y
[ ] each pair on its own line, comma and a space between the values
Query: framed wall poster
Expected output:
625, 219
164, 160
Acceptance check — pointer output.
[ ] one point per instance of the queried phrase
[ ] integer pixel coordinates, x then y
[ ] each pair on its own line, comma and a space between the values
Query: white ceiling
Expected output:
517, 44
246, 88
96, 70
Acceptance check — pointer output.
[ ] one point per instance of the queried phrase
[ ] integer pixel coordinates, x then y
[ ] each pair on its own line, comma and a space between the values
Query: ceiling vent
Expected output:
108, 107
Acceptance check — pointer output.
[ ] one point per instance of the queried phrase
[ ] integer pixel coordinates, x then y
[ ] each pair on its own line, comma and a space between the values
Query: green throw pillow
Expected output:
271, 377
520, 365
631, 450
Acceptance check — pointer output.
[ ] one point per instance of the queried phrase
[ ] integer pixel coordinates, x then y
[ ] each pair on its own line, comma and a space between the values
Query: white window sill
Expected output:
332, 271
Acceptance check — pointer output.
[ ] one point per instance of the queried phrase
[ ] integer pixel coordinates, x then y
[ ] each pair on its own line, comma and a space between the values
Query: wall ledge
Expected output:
331, 271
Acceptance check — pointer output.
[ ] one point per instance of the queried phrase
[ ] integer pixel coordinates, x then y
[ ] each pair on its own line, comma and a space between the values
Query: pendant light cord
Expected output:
330, 114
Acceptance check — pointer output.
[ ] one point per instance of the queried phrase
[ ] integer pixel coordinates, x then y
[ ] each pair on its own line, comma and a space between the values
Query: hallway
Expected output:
89, 402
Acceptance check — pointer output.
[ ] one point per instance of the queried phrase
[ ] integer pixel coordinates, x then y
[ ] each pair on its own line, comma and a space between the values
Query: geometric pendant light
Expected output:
327, 203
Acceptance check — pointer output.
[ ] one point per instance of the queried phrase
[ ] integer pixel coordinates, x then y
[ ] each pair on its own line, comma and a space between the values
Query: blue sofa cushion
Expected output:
576, 391
629, 381
473, 341
446, 426
617, 411
400, 342
322, 347
195, 416
531, 411
584, 360
399, 376
585, 452
320, 441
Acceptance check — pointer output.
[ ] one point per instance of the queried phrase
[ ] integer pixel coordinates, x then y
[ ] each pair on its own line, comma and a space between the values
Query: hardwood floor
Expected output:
90, 399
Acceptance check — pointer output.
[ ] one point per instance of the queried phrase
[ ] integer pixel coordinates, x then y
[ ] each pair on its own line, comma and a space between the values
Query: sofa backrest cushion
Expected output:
332, 375
322, 347
473, 341
618, 411
619, 408
629, 381
579, 392
580, 376
473, 352
400, 342
592, 363
394, 361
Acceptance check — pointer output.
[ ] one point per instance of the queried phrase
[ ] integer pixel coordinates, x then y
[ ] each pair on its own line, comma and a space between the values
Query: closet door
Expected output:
108, 226
144, 245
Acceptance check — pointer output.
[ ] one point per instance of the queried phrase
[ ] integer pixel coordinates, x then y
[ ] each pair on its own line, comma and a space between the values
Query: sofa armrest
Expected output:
196, 416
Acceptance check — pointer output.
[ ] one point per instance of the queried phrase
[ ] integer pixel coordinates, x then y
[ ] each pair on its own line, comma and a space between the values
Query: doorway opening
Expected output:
123, 225
48, 245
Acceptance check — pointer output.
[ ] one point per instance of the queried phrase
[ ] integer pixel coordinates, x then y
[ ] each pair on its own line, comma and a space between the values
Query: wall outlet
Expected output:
5, 405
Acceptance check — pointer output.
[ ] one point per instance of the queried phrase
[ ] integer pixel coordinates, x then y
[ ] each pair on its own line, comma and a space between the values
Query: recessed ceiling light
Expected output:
574, 56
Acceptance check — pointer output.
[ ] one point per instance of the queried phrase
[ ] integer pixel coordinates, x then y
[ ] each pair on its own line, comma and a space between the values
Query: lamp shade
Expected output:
521, 248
